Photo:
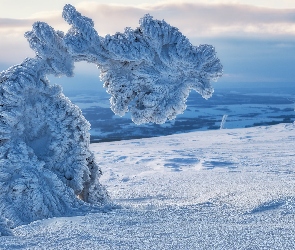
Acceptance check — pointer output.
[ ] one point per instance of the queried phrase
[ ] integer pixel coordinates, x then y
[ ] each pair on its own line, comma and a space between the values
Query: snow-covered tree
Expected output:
46, 167
44, 155
5, 227
45, 158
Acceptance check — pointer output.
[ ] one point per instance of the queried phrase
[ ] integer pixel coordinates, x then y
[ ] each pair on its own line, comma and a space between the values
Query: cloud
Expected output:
13, 45
10, 26
195, 20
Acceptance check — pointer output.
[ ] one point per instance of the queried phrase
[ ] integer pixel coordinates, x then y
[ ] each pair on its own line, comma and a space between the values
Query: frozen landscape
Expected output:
176, 177
221, 189
245, 105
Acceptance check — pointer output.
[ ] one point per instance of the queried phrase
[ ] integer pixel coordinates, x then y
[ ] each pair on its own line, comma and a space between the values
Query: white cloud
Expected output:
193, 19
197, 19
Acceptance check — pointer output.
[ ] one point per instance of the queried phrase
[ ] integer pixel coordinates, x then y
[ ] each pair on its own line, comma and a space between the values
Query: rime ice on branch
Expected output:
45, 161
46, 167
148, 71
5, 227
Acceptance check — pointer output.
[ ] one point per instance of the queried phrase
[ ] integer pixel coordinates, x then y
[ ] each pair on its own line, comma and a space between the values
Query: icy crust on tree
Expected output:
44, 155
46, 167
5, 227
148, 71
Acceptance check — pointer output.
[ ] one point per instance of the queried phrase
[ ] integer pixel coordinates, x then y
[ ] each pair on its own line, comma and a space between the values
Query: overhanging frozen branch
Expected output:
46, 167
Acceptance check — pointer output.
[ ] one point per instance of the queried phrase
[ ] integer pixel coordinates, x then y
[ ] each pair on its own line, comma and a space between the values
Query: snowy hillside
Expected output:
221, 189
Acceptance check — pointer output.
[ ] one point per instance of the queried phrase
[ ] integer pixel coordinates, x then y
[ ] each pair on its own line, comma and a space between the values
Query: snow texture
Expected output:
218, 189
5, 227
46, 164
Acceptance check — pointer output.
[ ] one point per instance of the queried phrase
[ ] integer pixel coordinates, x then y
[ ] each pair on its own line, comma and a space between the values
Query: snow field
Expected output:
223, 189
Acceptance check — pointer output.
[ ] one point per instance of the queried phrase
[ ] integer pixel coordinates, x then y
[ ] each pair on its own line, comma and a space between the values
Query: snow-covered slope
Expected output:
222, 189
242, 168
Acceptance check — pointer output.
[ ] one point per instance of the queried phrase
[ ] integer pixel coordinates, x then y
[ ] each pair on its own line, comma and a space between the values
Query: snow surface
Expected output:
222, 189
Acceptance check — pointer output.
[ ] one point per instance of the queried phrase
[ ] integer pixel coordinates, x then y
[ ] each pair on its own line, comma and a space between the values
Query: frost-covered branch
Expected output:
148, 71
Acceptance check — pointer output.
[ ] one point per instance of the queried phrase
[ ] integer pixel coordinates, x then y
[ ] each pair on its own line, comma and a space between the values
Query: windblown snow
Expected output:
222, 189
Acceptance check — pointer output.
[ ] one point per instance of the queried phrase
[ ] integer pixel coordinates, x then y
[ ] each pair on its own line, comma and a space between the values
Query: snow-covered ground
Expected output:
218, 189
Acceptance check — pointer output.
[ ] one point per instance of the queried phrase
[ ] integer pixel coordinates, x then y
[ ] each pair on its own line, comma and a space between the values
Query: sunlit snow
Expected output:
221, 189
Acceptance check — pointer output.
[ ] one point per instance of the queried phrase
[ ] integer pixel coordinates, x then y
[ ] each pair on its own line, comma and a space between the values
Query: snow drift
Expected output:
46, 167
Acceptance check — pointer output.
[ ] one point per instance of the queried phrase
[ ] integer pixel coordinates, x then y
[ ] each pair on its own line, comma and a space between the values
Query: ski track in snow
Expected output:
222, 189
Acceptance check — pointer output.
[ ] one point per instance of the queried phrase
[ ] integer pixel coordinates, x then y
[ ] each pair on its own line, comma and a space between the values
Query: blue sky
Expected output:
255, 40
